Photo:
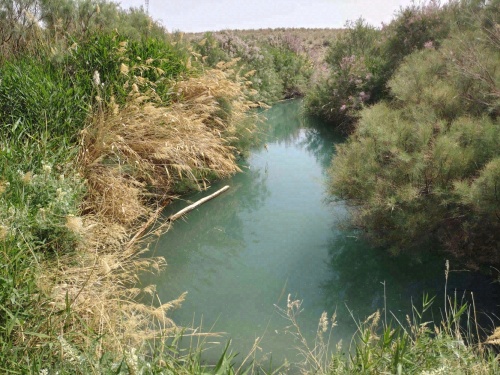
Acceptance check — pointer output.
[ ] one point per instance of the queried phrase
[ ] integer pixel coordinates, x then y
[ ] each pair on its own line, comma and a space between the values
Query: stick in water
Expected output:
196, 204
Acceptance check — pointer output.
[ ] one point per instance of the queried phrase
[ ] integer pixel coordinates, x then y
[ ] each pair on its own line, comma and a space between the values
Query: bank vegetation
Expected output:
104, 119
420, 100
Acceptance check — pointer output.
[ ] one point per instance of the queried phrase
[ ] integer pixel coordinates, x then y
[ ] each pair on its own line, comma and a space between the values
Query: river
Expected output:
276, 232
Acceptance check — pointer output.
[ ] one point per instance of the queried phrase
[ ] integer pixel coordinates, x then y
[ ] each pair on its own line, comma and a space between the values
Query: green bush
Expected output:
352, 63
414, 28
425, 164
292, 68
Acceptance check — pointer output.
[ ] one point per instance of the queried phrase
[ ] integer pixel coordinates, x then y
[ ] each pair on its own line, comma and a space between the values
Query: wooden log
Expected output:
196, 204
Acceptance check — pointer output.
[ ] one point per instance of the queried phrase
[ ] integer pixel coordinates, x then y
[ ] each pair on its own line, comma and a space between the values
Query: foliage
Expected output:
76, 182
352, 64
109, 65
412, 166
28, 24
385, 342
275, 67
34, 98
363, 59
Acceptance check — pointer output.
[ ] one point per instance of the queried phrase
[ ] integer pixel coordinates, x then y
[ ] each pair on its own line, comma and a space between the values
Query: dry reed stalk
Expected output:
146, 144
132, 158
98, 283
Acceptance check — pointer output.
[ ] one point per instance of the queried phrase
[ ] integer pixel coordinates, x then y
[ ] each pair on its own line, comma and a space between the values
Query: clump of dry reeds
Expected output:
134, 158
148, 148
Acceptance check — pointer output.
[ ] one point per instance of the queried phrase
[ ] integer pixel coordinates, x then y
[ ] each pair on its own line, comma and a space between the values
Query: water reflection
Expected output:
320, 139
358, 273
201, 240
362, 279
286, 124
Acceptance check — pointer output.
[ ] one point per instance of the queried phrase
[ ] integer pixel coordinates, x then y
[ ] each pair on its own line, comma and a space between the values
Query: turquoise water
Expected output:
276, 232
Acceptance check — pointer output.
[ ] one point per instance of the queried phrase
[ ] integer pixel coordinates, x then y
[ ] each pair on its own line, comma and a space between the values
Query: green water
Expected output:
278, 232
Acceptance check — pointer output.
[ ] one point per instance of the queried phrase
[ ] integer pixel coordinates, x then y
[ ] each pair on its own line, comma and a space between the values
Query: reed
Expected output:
88, 153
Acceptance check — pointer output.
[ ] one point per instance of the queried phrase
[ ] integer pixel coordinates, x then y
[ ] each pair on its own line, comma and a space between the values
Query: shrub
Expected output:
363, 59
414, 28
293, 70
349, 86
425, 164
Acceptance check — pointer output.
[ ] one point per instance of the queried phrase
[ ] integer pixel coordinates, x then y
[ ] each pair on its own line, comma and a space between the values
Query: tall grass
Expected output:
384, 344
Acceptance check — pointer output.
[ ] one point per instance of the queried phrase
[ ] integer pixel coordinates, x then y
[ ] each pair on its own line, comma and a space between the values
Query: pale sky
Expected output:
212, 15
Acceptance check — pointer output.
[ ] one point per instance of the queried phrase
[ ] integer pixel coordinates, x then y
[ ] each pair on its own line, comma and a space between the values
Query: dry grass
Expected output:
147, 148
133, 159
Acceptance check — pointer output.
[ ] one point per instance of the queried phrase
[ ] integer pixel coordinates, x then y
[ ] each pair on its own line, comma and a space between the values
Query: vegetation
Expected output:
424, 164
104, 118
382, 346
363, 59
419, 98
276, 66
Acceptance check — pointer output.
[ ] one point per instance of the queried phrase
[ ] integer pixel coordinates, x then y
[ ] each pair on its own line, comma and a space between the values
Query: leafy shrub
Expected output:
414, 28
425, 79
363, 59
353, 63
426, 163
292, 66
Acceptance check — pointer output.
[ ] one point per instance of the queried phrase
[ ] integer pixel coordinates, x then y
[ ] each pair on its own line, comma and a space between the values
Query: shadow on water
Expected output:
364, 279
277, 232
319, 140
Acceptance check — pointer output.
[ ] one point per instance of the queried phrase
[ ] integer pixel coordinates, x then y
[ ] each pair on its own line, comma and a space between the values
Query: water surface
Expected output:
278, 232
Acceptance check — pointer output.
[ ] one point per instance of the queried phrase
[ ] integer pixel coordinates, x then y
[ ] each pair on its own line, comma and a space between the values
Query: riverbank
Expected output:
99, 131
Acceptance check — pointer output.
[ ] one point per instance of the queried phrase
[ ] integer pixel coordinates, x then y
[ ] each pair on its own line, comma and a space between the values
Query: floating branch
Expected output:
196, 204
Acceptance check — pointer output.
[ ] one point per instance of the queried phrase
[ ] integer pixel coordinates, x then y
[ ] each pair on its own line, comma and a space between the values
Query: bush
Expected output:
425, 164
363, 59
349, 87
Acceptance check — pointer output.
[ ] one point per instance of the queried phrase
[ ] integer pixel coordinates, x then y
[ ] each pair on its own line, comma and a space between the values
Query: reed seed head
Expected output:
27, 177
323, 322
96, 78
74, 223
3, 232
